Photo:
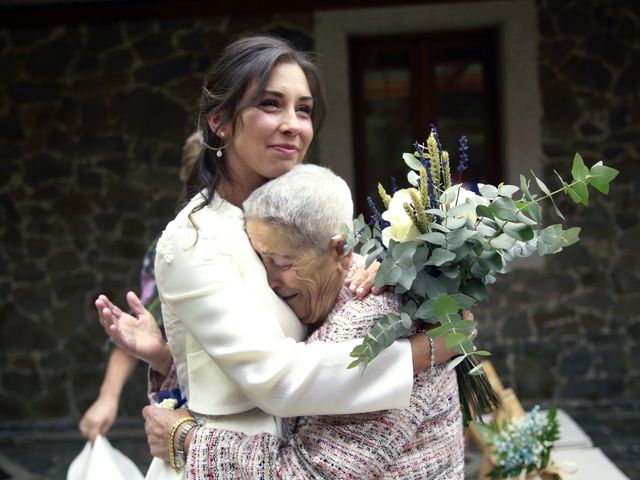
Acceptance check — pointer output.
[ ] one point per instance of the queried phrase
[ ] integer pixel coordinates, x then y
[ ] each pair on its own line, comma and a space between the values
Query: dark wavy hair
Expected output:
242, 64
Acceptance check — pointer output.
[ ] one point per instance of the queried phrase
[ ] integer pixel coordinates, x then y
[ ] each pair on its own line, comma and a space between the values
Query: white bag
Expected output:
101, 461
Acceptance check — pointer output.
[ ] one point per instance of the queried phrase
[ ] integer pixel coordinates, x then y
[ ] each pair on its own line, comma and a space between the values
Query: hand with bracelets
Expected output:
169, 433
435, 352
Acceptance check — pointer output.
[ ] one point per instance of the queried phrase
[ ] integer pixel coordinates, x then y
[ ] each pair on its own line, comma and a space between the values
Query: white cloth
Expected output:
101, 461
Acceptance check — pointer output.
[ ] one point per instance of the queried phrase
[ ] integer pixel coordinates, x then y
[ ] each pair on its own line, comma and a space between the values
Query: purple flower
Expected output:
464, 157
394, 185
434, 130
375, 215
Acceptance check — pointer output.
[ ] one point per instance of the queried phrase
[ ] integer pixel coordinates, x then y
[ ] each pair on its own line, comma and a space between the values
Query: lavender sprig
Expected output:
375, 215
464, 157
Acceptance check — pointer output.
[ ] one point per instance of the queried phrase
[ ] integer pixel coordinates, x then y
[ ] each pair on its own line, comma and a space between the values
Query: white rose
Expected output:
402, 228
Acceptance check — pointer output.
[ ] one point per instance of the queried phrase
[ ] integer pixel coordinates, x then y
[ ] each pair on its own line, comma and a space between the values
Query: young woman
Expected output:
236, 345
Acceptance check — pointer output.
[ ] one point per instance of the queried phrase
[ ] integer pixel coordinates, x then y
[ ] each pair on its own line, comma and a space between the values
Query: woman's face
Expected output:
307, 281
274, 136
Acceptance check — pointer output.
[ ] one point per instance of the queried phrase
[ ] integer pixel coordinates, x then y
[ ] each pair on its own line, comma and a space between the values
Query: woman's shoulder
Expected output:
214, 226
356, 317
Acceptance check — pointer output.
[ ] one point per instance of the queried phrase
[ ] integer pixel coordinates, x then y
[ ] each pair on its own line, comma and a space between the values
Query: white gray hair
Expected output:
310, 201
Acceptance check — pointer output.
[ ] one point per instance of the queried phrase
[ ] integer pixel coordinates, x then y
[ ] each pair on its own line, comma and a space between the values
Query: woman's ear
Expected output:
338, 246
214, 125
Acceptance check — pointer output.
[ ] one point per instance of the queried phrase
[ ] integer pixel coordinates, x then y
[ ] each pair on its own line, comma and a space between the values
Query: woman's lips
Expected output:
285, 148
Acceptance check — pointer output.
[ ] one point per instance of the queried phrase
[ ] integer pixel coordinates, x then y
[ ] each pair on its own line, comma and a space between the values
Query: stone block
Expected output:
41, 168
104, 37
152, 116
153, 46
121, 59
72, 286
49, 59
576, 363
589, 73
164, 72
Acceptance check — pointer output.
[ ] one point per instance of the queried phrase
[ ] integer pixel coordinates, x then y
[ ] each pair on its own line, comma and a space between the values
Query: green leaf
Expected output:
482, 353
571, 236
518, 231
536, 212
578, 170
440, 256
435, 238
455, 362
408, 276
600, 176
492, 260
403, 253
542, 185
450, 195
476, 289
488, 191
411, 161
507, 190
550, 240
524, 186
445, 305
583, 192
484, 211
453, 222
387, 329
568, 189
504, 209
502, 242
434, 286
477, 370
443, 329
458, 236
453, 339
463, 301
425, 310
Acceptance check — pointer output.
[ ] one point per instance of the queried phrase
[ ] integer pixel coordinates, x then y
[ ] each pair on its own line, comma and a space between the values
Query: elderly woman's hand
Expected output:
158, 423
137, 335
421, 348
363, 280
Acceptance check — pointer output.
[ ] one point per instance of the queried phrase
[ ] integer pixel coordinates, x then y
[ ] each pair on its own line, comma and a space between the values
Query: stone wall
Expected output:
92, 120
570, 332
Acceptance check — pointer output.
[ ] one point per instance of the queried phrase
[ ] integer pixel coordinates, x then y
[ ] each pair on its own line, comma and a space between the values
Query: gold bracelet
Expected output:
172, 434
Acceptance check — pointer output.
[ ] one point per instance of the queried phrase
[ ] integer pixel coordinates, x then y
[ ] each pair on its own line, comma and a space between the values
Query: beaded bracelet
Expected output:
181, 439
433, 352
170, 440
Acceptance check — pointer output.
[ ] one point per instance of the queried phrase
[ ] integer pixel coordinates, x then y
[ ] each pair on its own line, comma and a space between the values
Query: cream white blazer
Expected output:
238, 346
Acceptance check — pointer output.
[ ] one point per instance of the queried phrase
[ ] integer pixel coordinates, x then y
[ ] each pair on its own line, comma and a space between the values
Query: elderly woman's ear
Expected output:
338, 246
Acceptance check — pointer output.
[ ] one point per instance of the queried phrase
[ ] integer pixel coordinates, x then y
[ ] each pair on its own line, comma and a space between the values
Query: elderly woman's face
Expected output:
307, 281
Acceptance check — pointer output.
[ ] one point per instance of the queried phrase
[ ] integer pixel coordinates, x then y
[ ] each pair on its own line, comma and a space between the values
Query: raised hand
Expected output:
137, 335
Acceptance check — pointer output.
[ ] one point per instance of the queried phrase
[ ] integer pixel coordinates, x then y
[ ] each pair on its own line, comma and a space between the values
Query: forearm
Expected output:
119, 368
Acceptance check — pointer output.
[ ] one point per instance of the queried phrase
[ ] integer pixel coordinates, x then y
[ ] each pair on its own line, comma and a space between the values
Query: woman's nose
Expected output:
273, 279
290, 123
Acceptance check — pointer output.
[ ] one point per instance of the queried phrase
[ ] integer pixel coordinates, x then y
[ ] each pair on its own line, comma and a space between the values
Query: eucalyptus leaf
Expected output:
570, 236
440, 256
578, 170
437, 226
413, 178
464, 301
502, 241
568, 189
434, 286
454, 339
435, 238
403, 253
407, 277
488, 191
425, 310
449, 195
600, 176
455, 362
412, 162
504, 209
518, 231
453, 222
445, 305
476, 289
583, 192
484, 211
458, 236
507, 190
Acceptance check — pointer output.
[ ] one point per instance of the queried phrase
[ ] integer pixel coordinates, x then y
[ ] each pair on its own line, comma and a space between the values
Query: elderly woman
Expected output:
292, 223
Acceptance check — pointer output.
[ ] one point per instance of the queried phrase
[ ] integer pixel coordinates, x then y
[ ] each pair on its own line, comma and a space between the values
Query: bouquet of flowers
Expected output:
522, 444
440, 246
